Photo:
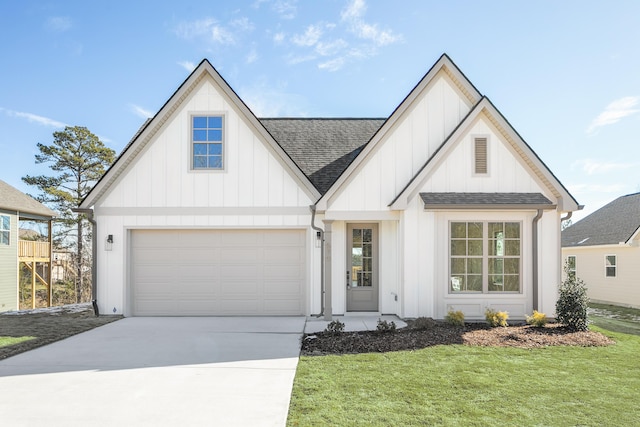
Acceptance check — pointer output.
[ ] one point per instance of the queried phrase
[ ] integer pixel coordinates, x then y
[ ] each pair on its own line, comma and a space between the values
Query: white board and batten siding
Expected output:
405, 148
253, 213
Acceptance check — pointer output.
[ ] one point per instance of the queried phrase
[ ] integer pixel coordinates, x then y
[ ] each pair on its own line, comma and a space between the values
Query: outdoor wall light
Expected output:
109, 243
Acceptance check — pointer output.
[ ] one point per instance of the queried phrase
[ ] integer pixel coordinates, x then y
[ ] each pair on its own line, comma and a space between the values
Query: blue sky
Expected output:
566, 74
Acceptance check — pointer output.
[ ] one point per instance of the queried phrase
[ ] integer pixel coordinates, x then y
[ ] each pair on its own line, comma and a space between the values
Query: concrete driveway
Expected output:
208, 371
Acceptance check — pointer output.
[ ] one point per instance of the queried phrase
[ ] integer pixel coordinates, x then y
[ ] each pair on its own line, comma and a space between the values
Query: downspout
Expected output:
535, 257
94, 255
563, 219
321, 231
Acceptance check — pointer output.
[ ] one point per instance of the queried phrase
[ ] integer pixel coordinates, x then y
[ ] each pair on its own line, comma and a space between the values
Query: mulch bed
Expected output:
47, 326
440, 333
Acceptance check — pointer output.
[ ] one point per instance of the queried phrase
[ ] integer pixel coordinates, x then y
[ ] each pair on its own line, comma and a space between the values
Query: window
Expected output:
5, 230
207, 139
571, 266
484, 257
480, 155
610, 265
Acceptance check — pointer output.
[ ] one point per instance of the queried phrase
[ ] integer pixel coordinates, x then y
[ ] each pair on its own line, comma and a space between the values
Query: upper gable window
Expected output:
5, 229
207, 142
480, 156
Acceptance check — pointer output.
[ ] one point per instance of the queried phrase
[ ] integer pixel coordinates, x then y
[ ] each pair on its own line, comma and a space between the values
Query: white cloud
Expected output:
286, 9
278, 38
272, 100
615, 112
58, 23
310, 36
141, 112
187, 65
353, 11
34, 118
331, 48
333, 64
252, 56
211, 30
353, 16
593, 167
242, 24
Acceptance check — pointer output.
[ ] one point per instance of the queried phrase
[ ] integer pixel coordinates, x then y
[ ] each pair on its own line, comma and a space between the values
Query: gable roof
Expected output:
151, 127
322, 148
485, 106
12, 199
445, 64
614, 223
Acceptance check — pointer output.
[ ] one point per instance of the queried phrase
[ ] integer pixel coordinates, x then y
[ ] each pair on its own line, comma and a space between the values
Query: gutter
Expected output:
321, 232
94, 261
534, 225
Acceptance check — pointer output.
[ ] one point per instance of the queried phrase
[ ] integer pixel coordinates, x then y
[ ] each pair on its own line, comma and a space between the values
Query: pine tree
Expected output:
77, 159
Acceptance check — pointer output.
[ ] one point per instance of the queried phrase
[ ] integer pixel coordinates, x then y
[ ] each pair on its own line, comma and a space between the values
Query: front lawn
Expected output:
458, 385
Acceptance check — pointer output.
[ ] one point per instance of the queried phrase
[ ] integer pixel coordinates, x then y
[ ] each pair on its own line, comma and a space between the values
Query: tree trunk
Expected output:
79, 281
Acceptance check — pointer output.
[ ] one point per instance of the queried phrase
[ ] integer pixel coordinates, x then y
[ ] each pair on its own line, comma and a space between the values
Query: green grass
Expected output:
7, 341
472, 386
615, 318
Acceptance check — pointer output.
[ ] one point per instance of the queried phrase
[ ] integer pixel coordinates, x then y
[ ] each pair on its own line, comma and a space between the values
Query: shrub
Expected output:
335, 327
537, 319
496, 318
423, 323
571, 307
384, 326
455, 318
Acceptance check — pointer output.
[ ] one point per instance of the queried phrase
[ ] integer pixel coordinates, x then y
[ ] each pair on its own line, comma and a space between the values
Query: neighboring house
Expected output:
442, 205
603, 249
16, 206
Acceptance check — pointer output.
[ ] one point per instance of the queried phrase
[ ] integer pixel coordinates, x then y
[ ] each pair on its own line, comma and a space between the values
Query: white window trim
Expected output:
615, 266
485, 259
575, 264
473, 154
9, 229
222, 114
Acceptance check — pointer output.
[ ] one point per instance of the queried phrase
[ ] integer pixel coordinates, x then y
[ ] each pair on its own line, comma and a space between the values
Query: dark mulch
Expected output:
440, 333
47, 326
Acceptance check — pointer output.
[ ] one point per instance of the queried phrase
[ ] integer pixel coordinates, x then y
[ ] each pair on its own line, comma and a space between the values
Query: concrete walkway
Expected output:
209, 371
352, 322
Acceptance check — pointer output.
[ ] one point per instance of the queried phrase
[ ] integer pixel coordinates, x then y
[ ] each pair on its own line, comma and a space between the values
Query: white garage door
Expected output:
217, 272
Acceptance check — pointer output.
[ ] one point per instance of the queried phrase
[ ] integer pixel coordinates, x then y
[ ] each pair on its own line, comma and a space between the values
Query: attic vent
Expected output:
480, 155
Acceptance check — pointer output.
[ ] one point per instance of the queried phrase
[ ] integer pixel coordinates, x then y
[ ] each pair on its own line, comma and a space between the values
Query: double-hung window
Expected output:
5, 230
485, 257
610, 265
207, 142
571, 266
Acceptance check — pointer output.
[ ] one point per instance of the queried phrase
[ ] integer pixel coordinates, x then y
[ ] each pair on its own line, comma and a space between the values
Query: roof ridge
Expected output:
322, 118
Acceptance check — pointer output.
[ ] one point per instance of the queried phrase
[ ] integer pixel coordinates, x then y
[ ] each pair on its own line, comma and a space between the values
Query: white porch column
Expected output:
328, 310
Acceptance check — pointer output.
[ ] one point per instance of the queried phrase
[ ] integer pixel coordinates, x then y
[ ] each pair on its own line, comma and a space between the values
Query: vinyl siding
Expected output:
9, 269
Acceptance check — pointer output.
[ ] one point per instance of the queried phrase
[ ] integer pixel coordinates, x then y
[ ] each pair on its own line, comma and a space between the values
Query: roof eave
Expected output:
487, 206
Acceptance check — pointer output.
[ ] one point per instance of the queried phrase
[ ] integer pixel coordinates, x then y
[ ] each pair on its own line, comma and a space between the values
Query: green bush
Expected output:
496, 318
384, 326
335, 327
423, 323
537, 319
455, 318
572, 304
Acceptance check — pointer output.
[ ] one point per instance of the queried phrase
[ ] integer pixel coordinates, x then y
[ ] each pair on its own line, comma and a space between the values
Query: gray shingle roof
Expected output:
13, 199
322, 148
461, 200
614, 223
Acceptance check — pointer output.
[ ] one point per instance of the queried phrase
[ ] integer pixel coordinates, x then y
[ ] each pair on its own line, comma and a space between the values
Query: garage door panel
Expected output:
218, 272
